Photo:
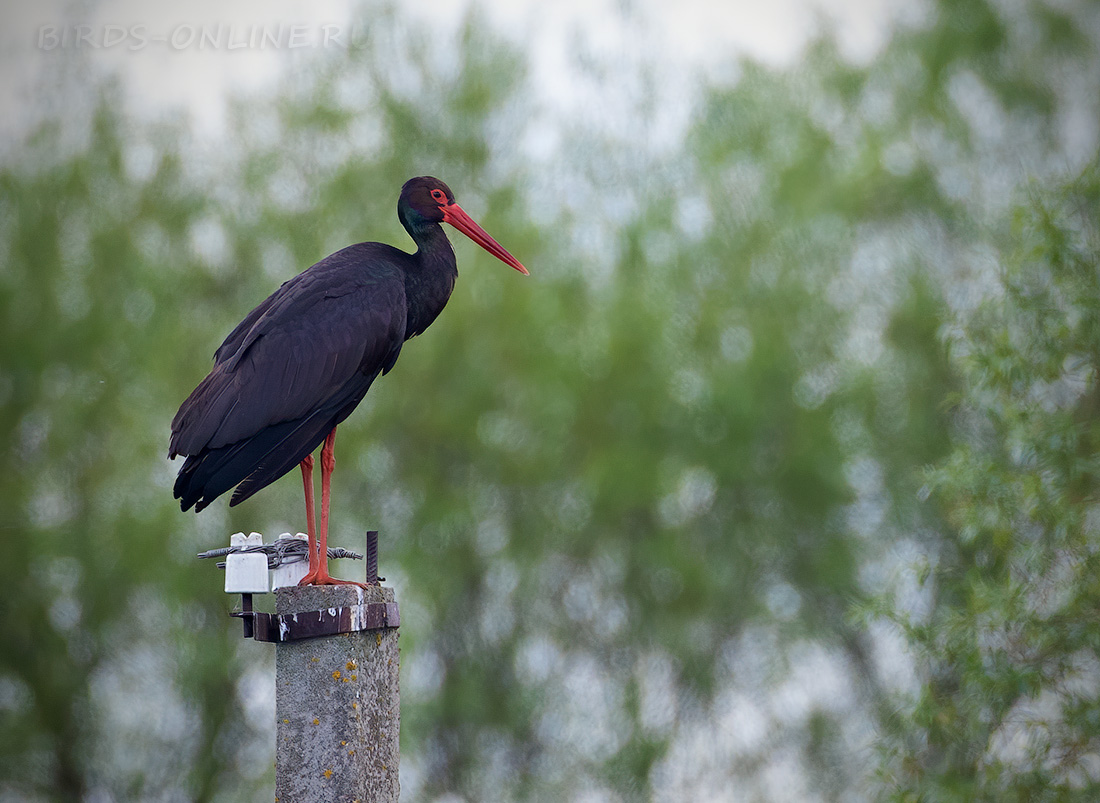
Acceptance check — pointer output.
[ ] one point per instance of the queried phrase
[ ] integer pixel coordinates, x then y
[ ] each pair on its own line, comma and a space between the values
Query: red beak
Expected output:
453, 214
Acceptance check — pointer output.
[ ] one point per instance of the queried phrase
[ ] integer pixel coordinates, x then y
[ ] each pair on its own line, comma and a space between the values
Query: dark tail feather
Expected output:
255, 462
192, 486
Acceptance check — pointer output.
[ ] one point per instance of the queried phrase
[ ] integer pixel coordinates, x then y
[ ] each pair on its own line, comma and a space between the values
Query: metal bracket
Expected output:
279, 628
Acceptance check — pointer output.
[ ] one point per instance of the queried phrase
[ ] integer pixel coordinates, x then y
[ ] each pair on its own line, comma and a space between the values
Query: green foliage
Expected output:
1010, 645
110, 659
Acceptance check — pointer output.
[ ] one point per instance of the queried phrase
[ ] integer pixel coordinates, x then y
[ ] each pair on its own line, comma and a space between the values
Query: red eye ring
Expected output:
439, 195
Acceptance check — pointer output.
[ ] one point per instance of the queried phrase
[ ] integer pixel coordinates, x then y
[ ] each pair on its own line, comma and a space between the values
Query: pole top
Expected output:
247, 563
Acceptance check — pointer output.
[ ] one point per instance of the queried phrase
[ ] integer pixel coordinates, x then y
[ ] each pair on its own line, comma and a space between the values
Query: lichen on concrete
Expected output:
337, 706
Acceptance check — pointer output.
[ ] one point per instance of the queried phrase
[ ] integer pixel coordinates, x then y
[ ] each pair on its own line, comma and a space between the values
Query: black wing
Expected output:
292, 370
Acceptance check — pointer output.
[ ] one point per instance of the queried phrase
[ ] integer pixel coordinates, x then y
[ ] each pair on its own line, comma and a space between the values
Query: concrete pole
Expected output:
336, 706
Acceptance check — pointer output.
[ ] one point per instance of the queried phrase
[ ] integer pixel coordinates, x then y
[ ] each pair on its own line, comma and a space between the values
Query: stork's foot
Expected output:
323, 578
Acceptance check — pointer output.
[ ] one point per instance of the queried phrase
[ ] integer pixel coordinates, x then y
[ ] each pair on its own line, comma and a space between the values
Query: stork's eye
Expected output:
439, 196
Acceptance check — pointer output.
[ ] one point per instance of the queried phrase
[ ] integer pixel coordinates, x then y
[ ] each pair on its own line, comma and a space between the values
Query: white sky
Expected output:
175, 72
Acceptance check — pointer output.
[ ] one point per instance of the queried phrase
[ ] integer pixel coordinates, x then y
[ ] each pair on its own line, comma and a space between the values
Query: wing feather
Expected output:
310, 345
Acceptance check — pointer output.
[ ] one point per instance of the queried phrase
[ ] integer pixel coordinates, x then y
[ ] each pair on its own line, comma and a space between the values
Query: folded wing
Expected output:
291, 371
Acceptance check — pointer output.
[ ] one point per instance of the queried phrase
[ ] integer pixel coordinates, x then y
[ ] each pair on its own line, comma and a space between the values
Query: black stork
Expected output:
299, 363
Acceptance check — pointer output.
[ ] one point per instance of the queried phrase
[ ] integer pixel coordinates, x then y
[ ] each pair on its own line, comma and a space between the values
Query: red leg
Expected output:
328, 463
307, 483
321, 575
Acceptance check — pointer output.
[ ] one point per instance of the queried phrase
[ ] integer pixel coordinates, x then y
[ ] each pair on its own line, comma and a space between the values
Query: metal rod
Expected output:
372, 557
246, 609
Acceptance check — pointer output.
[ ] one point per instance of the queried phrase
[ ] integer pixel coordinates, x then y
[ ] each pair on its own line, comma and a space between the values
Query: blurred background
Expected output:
776, 480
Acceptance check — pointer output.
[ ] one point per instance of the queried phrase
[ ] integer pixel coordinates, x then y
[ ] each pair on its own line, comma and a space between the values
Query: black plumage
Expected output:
302, 360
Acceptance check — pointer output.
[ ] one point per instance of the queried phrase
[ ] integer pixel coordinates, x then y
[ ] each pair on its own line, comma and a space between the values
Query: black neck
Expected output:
431, 277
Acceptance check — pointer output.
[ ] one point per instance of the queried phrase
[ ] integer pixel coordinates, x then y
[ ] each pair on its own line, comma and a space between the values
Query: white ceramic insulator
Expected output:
246, 573
289, 574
